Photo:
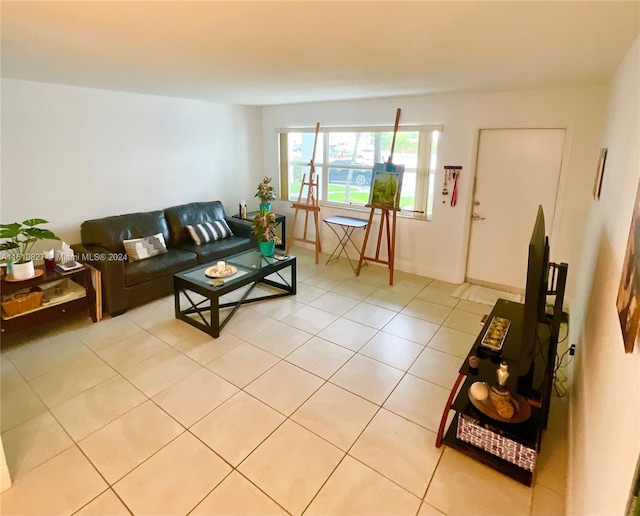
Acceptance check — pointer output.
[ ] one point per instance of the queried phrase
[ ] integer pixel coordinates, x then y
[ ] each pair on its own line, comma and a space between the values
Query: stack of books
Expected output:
68, 267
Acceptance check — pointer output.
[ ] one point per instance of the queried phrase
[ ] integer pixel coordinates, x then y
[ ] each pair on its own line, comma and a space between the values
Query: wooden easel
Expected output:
310, 204
384, 223
391, 239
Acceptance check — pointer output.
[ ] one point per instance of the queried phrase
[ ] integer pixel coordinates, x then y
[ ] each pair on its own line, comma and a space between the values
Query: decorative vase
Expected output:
503, 374
265, 206
23, 271
267, 248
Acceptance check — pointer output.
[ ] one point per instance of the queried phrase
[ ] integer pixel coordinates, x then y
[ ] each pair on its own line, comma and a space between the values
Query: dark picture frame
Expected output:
386, 185
628, 300
633, 504
597, 182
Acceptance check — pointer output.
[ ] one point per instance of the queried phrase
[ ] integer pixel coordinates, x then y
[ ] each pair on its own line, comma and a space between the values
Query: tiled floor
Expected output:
322, 403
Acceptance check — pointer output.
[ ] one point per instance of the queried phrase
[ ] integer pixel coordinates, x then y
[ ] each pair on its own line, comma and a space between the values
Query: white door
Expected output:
517, 170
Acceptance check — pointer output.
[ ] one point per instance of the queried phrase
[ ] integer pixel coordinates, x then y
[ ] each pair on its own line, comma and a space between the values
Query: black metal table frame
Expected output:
212, 295
348, 226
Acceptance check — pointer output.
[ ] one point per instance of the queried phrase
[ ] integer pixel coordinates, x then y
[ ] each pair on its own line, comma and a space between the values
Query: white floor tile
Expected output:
107, 504
419, 401
32, 443
334, 303
284, 387
392, 350
368, 378
243, 364
336, 415
291, 466
348, 334
174, 480
237, 427
320, 357
132, 350
19, 404
437, 367
357, 489
464, 321
399, 449
91, 410
205, 349
411, 328
280, 340
326, 358
62, 485
160, 371
310, 319
195, 396
236, 495
125, 443
370, 315
462, 485
72, 379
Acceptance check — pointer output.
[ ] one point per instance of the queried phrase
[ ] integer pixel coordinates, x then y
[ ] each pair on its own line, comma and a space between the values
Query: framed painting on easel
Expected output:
386, 185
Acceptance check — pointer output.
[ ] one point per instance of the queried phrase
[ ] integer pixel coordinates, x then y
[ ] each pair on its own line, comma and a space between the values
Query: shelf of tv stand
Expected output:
527, 433
488, 459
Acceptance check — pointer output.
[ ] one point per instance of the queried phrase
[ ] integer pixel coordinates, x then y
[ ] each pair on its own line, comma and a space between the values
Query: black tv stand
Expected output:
511, 448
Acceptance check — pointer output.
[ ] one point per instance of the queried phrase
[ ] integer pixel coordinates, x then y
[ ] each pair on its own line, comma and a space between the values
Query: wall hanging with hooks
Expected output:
451, 174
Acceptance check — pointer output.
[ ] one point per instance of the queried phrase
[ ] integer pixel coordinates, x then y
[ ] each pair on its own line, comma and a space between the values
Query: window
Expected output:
344, 158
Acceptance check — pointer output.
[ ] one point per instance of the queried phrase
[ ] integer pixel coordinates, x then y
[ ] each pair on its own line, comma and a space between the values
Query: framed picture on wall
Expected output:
629, 290
597, 182
633, 504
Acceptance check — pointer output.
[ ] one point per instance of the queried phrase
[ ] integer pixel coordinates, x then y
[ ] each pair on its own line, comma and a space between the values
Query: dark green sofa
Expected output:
125, 283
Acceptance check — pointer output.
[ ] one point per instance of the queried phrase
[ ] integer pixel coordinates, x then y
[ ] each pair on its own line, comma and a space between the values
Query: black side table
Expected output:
84, 299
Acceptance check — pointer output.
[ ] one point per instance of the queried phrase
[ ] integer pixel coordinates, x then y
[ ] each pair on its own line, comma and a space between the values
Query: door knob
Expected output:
475, 216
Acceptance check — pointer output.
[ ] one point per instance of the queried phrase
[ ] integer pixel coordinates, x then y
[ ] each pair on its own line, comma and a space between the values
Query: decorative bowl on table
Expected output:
214, 272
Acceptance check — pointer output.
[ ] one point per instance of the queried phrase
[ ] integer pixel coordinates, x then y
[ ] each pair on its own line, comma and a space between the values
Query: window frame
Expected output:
425, 167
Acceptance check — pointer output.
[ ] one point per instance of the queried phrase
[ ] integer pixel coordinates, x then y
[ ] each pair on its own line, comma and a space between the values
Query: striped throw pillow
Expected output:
208, 231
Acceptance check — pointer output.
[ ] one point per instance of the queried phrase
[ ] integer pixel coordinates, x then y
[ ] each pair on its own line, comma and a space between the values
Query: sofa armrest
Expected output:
111, 267
242, 228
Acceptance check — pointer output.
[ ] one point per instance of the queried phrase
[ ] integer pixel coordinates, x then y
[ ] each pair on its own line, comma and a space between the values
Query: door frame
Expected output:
552, 231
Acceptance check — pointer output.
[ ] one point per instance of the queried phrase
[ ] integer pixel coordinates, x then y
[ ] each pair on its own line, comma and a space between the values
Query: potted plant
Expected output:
266, 193
264, 229
20, 239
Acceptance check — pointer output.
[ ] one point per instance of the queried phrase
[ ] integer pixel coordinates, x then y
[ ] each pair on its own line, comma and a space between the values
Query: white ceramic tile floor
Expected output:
325, 403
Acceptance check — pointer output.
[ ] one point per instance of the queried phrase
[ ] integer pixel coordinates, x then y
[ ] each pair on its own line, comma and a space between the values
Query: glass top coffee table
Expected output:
276, 275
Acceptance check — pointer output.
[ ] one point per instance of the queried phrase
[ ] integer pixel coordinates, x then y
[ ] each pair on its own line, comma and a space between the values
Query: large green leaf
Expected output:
5, 246
38, 233
34, 222
9, 230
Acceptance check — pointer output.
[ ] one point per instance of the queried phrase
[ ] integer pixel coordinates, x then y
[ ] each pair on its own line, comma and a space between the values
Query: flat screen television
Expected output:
535, 294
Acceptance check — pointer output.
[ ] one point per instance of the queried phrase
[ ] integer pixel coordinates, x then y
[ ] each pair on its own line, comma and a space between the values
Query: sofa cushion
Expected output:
110, 232
218, 249
178, 217
144, 248
209, 231
174, 260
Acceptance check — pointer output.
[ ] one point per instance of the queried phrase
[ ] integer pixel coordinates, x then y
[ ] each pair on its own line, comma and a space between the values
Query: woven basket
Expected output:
21, 303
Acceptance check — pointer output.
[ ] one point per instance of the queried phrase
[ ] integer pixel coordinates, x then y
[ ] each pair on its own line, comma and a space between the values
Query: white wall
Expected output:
70, 154
439, 248
605, 410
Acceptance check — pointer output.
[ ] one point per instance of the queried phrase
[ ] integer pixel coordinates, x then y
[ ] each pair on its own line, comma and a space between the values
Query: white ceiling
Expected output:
276, 52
